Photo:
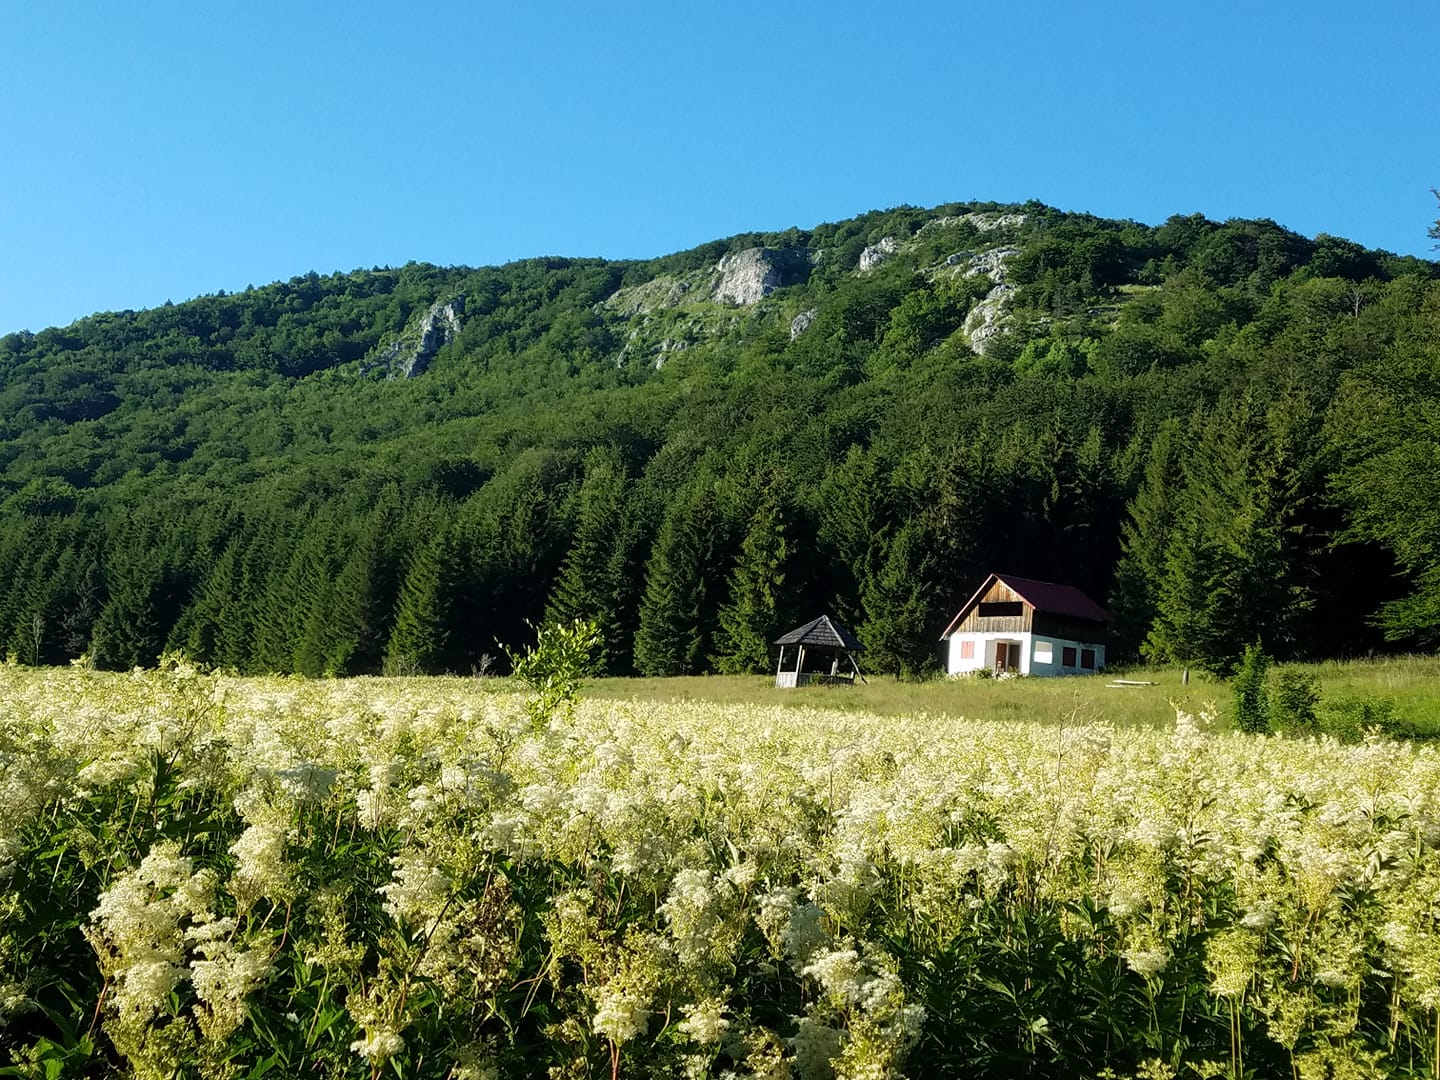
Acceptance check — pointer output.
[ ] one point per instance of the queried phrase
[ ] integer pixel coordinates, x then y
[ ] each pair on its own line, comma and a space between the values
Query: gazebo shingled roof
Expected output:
825, 632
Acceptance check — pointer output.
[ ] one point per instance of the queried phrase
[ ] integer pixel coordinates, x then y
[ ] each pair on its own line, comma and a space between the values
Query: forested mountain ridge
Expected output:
1226, 429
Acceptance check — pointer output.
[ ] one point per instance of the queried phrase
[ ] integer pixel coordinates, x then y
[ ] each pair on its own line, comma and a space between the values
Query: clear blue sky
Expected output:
161, 150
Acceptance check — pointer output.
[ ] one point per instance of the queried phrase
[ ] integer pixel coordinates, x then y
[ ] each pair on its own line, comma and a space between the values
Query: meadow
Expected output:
1407, 686
227, 877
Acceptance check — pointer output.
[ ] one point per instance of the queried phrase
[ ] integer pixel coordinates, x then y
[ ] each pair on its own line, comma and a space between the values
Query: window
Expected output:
1044, 652
1087, 659
967, 650
1001, 610
1067, 656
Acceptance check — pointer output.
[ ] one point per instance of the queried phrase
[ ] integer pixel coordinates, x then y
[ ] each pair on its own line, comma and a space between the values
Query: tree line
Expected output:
1224, 430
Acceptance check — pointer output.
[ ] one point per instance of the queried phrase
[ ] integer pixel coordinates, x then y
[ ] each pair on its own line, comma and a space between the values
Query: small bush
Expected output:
1350, 718
1252, 708
563, 655
1293, 695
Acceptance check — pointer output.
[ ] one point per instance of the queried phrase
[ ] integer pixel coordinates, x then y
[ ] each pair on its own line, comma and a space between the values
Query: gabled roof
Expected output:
822, 631
1041, 595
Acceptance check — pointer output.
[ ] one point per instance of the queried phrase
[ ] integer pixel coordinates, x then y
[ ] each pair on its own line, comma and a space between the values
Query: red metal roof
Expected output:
1042, 596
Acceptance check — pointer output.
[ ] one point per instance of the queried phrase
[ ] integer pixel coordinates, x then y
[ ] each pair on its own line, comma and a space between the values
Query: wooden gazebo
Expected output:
822, 647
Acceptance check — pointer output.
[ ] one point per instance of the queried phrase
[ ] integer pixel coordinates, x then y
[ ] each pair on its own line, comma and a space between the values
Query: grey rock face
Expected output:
411, 354
986, 320
989, 222
878, 253
995, 263
747, 277
441, 323
800, 322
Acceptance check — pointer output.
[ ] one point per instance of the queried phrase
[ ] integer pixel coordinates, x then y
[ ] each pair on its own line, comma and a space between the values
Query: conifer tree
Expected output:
897, 601
365, 594
84, 600
129, 632
1233, 565
200, 630
853, 515
752, 617
590, 586
314, 597
673, 634
279, 616
418, 639
1145, 539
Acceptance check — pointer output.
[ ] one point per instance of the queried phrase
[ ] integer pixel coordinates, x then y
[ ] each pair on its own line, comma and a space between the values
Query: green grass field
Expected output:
1410, 683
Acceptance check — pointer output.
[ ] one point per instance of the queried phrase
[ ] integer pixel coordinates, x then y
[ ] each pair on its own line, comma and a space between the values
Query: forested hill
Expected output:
1227, 431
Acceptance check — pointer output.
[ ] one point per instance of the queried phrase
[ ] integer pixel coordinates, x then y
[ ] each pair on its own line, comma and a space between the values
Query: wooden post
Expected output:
781, 665
799, 663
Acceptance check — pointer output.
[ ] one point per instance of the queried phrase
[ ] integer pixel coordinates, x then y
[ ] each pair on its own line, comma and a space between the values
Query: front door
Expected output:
1005, 656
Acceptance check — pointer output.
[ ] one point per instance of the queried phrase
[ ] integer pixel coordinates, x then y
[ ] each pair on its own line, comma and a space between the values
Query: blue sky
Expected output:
164, 150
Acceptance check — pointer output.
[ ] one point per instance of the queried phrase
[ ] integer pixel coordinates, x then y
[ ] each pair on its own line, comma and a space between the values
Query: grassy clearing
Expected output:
1411, 683
1078, 699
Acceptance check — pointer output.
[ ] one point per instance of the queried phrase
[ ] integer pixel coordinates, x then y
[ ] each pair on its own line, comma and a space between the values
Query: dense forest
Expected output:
1227, 431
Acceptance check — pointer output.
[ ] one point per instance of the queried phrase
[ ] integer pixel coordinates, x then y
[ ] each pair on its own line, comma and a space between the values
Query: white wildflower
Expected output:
418, 892
379, 1045
705, 1021
621, 1013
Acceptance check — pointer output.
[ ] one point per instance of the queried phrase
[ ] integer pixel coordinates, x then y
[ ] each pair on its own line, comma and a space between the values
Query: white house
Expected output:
1014, 624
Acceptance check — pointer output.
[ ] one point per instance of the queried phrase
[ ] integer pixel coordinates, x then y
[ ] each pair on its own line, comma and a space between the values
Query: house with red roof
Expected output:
1025, 627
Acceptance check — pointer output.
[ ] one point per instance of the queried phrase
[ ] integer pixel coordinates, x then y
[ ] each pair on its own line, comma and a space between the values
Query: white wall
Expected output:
1038, 656
985, 651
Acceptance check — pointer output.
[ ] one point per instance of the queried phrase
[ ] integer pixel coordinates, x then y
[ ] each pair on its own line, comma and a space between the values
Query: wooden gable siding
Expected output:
998, 593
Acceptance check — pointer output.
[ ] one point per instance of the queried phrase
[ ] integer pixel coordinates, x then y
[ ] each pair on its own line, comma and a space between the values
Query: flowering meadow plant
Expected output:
219, 877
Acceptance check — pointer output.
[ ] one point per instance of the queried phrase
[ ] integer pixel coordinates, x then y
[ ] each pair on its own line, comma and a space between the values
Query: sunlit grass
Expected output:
1412, 683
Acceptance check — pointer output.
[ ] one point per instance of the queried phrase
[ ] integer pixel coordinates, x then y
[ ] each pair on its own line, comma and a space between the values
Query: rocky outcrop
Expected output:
995, 263
411, 354
801, 322
747, 277
989, 222
986, 320
878, 253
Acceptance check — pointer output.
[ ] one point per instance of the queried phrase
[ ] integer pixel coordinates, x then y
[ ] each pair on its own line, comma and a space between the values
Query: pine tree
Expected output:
418, 639
751, 618
673, 634
279, 615
853, 515
897, 604
315, 595
128, 632
590, 585
201, 628
35, 608
1145, 539
365, 594
1233, 565
84, 601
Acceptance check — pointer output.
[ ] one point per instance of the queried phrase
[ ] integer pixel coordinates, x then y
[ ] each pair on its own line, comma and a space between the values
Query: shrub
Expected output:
1351, 717
1252, 708
563, 655
1293, 695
